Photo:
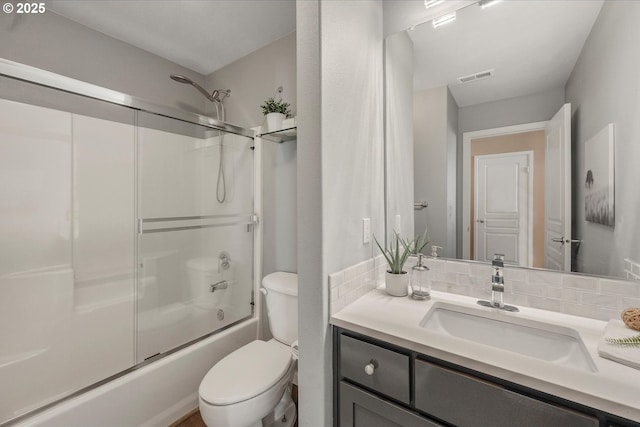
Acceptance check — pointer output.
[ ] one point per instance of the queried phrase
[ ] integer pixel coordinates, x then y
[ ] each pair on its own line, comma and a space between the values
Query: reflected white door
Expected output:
557, 184
504, 192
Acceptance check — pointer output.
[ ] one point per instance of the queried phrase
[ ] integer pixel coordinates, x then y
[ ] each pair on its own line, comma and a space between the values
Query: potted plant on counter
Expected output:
276, 110
396, 279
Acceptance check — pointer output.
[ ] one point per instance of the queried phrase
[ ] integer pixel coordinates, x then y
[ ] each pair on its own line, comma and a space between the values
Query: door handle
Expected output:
481, 221
563, 240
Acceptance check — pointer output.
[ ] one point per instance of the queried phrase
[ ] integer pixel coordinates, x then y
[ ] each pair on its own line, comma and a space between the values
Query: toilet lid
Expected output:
245, 373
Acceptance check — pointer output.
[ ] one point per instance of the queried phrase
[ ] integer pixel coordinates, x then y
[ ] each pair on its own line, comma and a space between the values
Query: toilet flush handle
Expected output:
264, 291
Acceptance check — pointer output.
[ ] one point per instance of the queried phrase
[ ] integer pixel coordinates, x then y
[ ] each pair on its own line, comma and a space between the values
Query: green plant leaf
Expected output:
397, 254
272, 105
384, 252
420, 242
629, 341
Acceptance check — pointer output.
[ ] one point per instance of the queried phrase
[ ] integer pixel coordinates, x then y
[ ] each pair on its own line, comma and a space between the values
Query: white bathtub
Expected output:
154, 395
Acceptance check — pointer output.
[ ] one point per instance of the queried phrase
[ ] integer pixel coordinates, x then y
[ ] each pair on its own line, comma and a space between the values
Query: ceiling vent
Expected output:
477, 76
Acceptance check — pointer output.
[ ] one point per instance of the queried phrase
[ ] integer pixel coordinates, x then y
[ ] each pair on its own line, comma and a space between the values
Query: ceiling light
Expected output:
431, 3
486, 3
444, 19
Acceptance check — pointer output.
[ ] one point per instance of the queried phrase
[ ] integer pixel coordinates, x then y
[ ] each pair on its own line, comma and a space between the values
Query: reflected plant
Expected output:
420, 242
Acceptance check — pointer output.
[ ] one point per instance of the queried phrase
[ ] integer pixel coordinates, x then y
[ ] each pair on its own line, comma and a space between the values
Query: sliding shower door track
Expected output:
18, 71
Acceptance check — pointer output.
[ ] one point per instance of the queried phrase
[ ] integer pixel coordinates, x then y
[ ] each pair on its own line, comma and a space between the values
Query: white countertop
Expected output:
614, 388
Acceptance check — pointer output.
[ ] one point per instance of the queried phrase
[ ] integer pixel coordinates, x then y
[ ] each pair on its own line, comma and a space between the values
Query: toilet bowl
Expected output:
250, 387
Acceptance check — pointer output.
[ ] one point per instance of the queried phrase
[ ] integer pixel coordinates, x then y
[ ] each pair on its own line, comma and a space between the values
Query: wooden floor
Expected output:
192, 419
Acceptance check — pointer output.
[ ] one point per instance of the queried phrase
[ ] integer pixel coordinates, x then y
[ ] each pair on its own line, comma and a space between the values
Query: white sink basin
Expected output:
491, 327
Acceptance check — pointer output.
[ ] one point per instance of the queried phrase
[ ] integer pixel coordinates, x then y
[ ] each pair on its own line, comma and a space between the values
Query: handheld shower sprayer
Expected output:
217, 96
213, 96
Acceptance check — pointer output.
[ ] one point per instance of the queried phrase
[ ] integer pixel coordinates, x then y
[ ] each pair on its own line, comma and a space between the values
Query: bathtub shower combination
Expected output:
115, 249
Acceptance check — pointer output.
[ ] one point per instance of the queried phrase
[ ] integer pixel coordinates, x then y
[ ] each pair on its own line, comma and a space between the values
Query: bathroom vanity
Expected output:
394, 366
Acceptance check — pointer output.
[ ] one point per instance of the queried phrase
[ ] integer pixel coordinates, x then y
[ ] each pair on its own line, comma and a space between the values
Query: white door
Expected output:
557, 190
504, 192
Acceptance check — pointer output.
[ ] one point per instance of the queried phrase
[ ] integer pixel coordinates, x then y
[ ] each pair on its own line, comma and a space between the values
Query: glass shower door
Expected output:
67, 257
195, 254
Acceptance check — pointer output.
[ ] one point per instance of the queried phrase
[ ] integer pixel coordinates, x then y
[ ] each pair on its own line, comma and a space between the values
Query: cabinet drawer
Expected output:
359, 408
469, 402
391, 373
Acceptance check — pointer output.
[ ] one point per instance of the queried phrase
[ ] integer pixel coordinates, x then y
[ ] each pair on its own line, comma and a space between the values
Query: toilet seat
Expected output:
245, 373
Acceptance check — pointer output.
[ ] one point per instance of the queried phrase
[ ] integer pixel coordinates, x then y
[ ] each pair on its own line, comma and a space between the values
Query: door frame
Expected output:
529, 154
467, 137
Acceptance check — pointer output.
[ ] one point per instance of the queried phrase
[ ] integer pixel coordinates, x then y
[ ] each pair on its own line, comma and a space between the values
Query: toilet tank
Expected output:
282, 305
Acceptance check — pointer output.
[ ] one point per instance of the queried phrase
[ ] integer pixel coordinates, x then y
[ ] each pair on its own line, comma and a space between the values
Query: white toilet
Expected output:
250, 387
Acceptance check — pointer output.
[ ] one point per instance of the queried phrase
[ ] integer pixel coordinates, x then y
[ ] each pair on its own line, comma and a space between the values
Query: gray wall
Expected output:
513, 111
252, 79
398, 76
604, 88
57, 44
340, 181
314, 365
524, 109
352, 129
452, 150
434, 118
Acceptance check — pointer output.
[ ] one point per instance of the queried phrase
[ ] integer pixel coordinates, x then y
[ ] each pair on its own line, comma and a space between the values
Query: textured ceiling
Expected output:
202, 35
532, 45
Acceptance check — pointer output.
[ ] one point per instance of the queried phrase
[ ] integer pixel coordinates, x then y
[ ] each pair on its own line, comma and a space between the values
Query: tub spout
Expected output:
223, 284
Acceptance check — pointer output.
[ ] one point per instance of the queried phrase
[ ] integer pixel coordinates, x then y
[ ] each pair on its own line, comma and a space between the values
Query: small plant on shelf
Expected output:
272, 105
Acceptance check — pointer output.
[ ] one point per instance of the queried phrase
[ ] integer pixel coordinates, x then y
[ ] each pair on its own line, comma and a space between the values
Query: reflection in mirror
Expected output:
516, 108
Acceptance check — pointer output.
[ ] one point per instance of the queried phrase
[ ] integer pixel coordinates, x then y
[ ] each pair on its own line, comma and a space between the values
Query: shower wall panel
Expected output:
112, 236
66, 259
190, 240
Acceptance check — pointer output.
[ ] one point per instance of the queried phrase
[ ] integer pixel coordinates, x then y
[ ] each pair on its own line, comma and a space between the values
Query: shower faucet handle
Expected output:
224, 261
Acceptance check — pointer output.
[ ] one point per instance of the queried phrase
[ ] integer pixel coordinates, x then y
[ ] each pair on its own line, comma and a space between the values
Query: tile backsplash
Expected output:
348, 285
595, 297
632, 268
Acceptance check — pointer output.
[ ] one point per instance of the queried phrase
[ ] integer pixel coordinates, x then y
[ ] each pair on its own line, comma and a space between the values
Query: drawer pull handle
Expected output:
371, 367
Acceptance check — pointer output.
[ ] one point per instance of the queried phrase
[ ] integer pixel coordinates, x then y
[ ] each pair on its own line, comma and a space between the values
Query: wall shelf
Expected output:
280, 136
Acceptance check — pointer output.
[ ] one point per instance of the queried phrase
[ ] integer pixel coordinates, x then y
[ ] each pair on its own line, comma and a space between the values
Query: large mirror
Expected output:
526, 131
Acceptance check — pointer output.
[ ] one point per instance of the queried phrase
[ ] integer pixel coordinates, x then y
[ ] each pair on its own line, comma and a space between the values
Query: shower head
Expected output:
213, 97
181, 79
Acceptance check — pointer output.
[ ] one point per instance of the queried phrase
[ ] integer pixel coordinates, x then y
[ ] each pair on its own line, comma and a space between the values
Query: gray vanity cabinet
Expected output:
466, 401
375, 367
359, 408
382, 385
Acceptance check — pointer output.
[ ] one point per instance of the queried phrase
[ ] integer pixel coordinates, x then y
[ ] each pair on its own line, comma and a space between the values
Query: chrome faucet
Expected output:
497, 286
223, 284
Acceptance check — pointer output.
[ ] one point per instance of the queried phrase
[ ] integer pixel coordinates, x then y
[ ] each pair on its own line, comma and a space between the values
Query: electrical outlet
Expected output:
366, 230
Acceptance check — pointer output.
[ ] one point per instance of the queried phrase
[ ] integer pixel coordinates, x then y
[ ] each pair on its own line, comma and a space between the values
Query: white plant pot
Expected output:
274, 121
397, 285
